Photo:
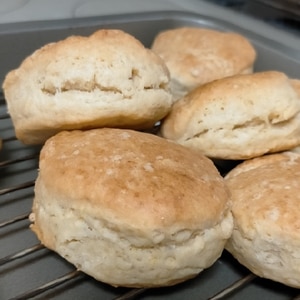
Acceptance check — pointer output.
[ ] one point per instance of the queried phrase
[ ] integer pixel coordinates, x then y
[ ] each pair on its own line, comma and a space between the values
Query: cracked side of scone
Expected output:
108, 79
238, 117
119, 256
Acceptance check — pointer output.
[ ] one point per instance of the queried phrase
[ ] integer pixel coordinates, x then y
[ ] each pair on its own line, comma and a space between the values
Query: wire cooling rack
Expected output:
30, 271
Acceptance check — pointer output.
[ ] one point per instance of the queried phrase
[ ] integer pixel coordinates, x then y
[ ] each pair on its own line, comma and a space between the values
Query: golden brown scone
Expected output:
130, 208
196, 56
266, 235
237, 117
108, 79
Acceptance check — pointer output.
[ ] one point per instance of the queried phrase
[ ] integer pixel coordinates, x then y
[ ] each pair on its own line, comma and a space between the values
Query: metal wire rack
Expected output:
19, 249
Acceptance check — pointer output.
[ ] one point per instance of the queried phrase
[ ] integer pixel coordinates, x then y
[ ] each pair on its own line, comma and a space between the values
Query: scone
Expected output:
266, 235
238, 117
196, 56
108, 79
130, 208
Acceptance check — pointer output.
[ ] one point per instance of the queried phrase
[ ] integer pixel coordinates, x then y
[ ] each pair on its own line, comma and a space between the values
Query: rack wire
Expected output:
17, 186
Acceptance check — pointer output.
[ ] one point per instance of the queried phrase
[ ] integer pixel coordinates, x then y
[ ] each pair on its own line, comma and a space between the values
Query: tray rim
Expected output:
175, 15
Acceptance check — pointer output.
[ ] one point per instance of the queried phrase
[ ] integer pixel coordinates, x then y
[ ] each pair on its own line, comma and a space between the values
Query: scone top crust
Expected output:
238, 117
130, 178
85, 63
195, 56
265, 195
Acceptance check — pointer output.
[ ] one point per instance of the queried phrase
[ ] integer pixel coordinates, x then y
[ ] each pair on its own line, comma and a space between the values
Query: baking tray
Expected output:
27, 267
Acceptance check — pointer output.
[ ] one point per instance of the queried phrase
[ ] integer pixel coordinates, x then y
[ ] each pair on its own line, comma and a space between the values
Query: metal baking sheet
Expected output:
18, 170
